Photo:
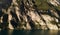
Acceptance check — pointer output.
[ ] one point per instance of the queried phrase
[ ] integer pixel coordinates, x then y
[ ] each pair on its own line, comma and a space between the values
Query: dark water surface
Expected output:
32, 32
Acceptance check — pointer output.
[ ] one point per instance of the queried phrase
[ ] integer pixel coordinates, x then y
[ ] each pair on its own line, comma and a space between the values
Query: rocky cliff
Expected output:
30, 14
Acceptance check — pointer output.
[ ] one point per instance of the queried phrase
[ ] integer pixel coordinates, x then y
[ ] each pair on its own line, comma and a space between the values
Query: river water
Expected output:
31, 32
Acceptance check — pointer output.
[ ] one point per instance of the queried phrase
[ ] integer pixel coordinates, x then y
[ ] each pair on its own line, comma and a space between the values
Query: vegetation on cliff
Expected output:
29, 14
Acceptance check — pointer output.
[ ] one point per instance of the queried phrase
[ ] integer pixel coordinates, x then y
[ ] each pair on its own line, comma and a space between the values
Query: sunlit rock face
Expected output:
55, 2
24, 14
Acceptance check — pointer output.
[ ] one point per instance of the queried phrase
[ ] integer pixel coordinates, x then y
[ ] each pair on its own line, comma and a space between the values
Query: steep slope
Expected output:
30, 14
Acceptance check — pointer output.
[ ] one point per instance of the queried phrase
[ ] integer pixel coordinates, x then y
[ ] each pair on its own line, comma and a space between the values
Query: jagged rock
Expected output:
26, 15
10, 26
54, 2
52, 27
28, 26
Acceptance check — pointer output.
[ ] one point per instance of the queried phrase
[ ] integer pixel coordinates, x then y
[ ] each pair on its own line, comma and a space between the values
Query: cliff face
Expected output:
26, 14
55, 2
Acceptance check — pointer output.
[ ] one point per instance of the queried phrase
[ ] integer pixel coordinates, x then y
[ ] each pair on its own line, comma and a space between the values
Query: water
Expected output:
25, 32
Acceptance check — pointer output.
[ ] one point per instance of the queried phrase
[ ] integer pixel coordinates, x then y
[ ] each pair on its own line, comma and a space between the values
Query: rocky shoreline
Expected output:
25, 15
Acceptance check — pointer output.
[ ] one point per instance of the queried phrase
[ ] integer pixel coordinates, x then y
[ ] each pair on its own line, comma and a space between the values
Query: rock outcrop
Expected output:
54, 2
24, 14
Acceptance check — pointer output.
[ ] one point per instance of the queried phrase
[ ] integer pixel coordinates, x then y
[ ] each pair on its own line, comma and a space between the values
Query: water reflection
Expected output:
3, 32
33, 32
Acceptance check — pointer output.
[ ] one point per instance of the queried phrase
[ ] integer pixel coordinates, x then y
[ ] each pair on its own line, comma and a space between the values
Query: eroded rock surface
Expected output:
24, 14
